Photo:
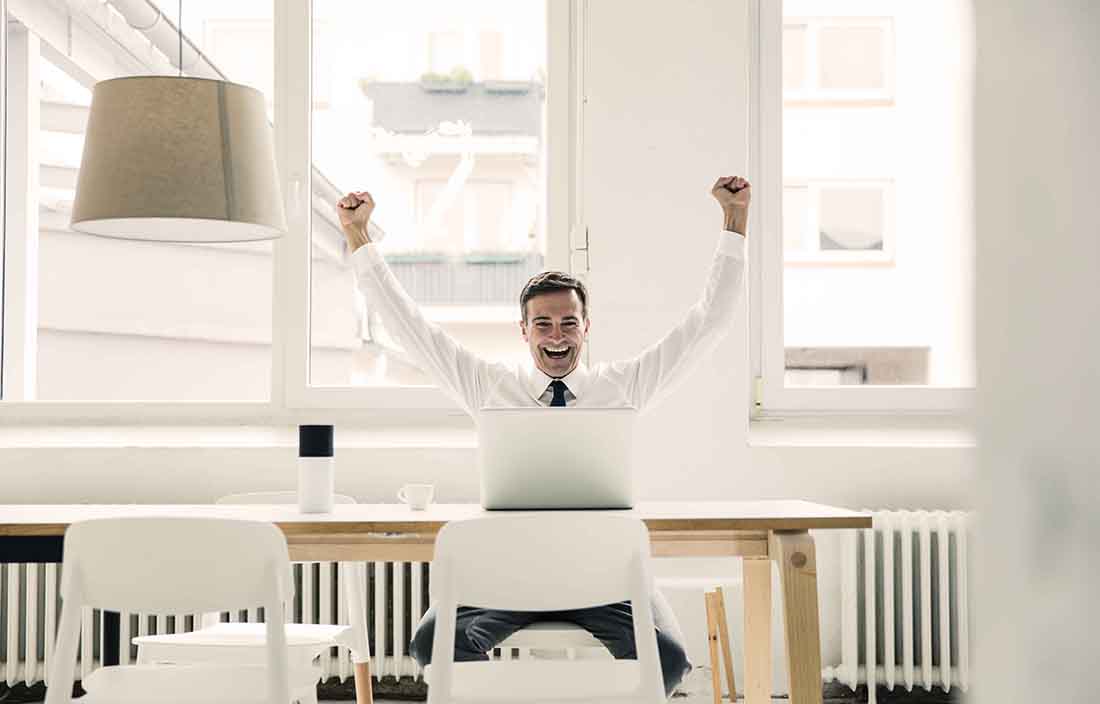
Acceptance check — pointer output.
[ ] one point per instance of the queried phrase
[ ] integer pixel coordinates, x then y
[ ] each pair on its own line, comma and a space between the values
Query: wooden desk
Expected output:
760, 532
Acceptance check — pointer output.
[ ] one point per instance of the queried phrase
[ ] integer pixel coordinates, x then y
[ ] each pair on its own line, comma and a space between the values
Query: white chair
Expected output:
174, 565
543, 562
245, 642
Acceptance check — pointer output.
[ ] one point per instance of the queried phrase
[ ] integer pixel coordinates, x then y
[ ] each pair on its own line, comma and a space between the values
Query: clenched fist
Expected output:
733, 193
354, 211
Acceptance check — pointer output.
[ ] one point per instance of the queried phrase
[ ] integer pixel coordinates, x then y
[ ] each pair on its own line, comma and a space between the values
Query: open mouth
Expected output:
556, 352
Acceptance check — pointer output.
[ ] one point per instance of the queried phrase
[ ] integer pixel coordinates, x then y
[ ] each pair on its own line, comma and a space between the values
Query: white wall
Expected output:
665, 118
1038, 108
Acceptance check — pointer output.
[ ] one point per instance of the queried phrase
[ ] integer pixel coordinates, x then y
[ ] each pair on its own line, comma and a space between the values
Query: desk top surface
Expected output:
47, 520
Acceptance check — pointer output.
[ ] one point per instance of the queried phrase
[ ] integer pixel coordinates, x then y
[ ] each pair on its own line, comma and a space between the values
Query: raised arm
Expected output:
458, 371
658, 368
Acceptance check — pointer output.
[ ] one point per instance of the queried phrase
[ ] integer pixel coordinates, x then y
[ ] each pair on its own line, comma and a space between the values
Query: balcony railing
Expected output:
490, 278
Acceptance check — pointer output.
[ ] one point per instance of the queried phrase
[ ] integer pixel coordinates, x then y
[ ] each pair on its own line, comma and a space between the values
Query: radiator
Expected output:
396, 592
905, 616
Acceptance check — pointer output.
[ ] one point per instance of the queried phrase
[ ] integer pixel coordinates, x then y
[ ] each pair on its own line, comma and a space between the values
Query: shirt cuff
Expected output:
731, 244
366, 256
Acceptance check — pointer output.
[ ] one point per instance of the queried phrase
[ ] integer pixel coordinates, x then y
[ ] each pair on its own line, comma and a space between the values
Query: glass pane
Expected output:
796, 214
491, 217
445, 52
850, 218
794, 57
436, 109
492, 56
880, 292
108, 319
440, 217
850, 58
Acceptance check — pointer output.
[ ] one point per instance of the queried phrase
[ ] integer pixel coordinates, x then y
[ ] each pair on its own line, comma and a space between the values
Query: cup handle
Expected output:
401, 496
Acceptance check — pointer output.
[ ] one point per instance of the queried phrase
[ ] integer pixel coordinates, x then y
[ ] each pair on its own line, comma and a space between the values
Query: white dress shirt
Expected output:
636, 382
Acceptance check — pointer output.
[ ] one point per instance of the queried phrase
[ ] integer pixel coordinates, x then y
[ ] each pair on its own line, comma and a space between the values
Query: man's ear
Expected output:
523, 329
586, 323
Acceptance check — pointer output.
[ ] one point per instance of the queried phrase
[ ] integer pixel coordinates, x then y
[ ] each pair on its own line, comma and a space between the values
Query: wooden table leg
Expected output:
793, 552
758, 630
363, 693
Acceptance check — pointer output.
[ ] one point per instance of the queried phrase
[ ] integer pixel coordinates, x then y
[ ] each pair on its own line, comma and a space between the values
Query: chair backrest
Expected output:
173, 565
508, 561
170, 565
273, 498
547, 561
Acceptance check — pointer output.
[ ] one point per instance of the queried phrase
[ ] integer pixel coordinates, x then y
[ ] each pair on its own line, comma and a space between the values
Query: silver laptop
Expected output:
561, 458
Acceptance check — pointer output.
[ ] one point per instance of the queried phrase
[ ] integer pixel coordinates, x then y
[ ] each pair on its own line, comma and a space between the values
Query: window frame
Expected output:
816, 95
769, 398
825, 257
291, 398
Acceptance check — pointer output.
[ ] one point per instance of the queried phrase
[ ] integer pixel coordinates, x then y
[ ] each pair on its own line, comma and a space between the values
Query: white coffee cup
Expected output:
417, 496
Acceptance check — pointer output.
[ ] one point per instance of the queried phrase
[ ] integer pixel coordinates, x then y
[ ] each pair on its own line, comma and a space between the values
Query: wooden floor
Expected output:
696, 690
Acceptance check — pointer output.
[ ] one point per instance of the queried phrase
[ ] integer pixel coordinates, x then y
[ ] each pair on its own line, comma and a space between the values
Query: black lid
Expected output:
315, 441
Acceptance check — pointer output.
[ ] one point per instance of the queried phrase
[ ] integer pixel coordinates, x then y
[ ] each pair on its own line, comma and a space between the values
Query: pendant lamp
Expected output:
178, 159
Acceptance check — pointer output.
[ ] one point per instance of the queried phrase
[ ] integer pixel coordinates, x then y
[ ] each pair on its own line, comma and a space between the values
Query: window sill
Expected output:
915, 431
847, 431
231, 437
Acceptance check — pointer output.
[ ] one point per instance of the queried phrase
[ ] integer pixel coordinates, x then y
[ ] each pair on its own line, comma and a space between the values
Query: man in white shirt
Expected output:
554, 324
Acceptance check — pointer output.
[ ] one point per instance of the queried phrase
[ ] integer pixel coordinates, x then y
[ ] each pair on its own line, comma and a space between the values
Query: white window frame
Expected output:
292, 400
816, 257
814, 94
768, 396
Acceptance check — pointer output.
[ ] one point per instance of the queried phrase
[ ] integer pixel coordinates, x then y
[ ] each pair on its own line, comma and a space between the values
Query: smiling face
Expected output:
555, 329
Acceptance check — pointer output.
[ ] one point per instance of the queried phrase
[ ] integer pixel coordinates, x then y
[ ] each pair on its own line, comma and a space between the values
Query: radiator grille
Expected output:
905, 615
396, 597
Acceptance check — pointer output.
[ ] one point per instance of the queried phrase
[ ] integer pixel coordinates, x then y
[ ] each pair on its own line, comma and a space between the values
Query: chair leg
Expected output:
712, 641
363, 694
724, 633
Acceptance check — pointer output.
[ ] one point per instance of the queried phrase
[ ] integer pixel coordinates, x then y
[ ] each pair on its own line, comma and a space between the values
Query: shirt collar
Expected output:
575, 381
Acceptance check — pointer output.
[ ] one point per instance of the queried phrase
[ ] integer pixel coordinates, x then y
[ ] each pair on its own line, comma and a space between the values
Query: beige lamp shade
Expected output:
172, 159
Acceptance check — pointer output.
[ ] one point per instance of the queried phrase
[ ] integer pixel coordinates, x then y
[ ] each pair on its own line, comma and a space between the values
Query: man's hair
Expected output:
548, 282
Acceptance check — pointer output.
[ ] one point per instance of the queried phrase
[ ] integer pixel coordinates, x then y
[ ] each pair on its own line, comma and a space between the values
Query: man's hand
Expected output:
354, 211
733, 193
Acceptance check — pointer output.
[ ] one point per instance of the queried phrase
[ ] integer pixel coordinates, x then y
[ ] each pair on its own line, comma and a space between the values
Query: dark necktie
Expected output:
558, 387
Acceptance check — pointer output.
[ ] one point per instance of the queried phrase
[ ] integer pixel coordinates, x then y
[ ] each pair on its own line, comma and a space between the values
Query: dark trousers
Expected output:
477, 631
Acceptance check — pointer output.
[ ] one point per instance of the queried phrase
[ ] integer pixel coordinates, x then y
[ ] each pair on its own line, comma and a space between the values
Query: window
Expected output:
854, 366
446, 52
278, 327
863, 303
244, 48
96, 319
492, 55
838, 59
456, 171
838, 221
477, 221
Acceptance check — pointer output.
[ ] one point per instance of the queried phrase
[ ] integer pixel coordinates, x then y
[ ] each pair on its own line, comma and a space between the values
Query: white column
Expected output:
1037, 109
20, 333
3, 169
